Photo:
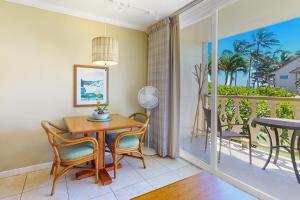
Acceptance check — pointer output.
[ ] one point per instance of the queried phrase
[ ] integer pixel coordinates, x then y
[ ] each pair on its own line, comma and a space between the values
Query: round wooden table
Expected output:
277, 123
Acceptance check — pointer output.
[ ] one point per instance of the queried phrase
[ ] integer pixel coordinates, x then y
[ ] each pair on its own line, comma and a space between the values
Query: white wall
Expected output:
289, 83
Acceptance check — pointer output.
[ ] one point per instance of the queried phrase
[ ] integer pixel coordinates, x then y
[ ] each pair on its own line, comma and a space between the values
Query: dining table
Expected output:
82, 125
279, 123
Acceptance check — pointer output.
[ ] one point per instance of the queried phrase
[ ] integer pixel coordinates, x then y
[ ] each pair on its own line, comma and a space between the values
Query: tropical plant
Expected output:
224, 65
266, 62
262, 39
231, 64
284, 110
249, 91
245, 113
244, 48
297, 82
101, 109
245, 110
284, 57
230, 110
262, 110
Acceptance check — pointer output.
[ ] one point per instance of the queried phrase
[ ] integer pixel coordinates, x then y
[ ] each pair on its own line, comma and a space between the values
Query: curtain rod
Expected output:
186, 7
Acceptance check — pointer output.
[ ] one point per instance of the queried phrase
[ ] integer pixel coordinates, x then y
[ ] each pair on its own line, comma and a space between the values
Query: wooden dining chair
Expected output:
128, 142
225, 134
69, 153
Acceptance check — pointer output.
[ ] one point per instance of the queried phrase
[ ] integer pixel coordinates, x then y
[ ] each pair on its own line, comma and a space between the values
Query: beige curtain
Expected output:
163, 73
174, 112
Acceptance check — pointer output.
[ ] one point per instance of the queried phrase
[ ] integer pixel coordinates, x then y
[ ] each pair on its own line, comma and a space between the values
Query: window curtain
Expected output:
163, 73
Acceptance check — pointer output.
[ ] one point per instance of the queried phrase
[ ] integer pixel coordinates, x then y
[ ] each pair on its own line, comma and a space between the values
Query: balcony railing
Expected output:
235, 108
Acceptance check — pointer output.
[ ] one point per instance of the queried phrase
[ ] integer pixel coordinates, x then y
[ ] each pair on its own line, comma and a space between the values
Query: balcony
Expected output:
279, 179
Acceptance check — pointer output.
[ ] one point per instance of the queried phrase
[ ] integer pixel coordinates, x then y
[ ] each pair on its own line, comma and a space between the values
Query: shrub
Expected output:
262, 110
249, 91
230, 110
245, 113
245, 110
284, 110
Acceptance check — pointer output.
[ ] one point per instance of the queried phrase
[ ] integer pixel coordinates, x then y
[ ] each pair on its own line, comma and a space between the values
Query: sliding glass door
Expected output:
258, 63
195, 44
250, 50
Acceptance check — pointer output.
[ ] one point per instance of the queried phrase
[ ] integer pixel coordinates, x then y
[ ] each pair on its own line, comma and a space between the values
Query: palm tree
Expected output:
224, 65
284, 57
243, 48
266, 63
262, 39
239, 64
230, 64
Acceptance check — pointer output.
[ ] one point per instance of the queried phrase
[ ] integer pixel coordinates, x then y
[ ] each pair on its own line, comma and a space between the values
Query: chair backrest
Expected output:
143, 118
53, 137
140, 117
207, 116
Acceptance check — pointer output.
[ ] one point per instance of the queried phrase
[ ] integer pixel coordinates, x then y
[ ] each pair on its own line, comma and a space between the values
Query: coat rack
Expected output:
200, 74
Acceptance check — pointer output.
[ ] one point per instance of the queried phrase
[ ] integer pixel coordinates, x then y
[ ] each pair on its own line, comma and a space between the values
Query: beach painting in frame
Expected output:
90, 85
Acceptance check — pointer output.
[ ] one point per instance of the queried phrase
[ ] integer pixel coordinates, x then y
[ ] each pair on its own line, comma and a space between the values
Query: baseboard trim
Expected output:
23, 170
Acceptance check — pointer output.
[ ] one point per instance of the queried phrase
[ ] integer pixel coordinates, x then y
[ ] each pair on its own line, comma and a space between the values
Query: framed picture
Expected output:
90, 85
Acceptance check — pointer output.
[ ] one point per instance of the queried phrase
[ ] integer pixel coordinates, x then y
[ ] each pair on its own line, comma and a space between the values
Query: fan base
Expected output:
149, 151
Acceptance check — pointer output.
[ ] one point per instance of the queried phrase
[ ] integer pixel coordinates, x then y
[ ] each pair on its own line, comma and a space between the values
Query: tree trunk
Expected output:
249, 73
235, 78
231, 78
226, 78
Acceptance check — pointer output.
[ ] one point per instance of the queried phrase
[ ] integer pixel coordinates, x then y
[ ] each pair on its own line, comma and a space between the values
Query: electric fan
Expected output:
148, 99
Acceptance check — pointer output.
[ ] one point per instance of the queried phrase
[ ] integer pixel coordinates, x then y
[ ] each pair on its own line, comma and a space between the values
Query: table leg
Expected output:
271, 149
293, 156
103, 174
277, 145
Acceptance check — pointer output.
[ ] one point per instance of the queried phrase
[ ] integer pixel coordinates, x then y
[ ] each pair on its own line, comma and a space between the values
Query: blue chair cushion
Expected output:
75, 151
140, 118
125, 142
118, 131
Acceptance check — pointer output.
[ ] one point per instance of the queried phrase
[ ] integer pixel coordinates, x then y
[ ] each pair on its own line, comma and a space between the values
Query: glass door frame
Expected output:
213, 11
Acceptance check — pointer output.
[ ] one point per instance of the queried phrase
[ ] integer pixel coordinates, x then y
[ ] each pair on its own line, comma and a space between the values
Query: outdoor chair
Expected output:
226, 134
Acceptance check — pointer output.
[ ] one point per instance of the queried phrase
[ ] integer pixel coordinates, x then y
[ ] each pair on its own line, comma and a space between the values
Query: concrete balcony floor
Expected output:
278, 180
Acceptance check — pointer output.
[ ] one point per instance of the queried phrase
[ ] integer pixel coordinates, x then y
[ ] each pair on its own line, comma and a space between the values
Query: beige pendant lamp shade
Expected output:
105, 51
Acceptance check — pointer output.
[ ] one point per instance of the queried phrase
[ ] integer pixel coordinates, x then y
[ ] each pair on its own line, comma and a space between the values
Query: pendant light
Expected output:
105, 51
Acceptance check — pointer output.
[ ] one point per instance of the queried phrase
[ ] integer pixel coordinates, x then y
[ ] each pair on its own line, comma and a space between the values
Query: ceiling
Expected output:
135, 14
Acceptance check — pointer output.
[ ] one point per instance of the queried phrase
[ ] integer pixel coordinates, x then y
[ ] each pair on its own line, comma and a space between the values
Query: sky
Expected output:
288, 33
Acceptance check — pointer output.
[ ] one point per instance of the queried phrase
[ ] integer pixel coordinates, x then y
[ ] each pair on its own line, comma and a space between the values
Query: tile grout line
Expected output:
115, 194
142, 176
133, 183
67, 187
23, 187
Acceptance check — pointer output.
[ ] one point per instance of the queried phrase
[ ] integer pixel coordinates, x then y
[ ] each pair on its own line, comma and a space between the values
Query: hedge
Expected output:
249, 91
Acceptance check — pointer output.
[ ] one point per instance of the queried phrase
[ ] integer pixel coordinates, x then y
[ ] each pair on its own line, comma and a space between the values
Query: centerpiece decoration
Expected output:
101, 111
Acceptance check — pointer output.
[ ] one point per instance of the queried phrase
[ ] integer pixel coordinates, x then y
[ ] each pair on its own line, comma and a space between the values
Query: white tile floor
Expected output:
132, 180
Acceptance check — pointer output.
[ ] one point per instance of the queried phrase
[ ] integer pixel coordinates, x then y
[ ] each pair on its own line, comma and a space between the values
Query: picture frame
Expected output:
90, 82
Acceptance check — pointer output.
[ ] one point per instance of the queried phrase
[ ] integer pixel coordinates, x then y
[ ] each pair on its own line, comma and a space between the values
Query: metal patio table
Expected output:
277, 123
